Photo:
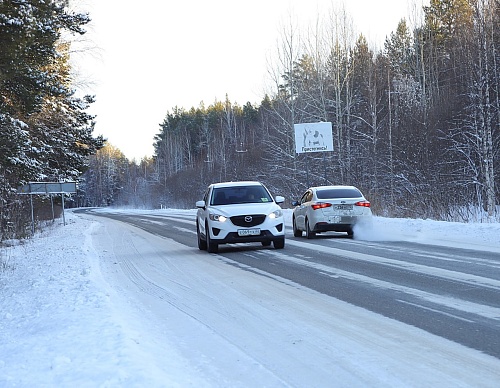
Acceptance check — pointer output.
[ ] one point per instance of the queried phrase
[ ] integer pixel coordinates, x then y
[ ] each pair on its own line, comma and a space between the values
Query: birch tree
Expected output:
340, 71
280, 142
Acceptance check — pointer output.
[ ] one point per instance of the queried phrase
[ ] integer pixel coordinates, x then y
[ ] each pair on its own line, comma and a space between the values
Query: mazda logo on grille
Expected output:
248, 218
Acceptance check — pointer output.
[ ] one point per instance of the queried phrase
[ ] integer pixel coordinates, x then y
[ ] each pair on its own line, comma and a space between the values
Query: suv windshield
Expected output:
338, 193
239, 194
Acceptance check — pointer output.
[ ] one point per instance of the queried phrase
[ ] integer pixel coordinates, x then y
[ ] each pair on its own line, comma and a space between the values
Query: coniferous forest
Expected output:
416, 123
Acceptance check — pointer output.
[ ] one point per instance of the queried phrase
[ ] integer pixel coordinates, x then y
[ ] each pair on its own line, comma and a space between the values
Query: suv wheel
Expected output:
279, 243
212, 247
202, 244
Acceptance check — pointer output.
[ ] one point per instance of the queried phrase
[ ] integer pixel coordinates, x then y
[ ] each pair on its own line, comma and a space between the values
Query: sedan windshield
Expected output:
240, 194
338, 193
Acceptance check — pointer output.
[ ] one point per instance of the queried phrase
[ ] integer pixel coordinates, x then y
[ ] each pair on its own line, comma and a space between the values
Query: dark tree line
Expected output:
416, 125
45, 133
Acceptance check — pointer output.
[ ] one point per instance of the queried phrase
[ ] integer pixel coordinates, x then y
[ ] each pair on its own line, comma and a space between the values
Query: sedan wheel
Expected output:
296, 232
309, 233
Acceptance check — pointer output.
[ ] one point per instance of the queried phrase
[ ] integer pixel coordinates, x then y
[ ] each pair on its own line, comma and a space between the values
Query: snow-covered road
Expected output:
101, 303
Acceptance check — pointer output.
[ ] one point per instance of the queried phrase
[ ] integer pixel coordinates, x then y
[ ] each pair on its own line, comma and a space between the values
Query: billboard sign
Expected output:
313, 137
48, 188
43, 188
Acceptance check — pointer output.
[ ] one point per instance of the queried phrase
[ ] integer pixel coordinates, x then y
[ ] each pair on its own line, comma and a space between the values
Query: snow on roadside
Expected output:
479, 236
57, 327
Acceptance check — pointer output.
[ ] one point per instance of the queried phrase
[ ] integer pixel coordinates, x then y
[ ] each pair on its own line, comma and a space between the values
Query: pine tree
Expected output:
29, 32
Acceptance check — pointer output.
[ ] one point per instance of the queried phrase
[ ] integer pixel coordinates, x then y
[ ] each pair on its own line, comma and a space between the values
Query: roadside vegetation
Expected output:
45, 132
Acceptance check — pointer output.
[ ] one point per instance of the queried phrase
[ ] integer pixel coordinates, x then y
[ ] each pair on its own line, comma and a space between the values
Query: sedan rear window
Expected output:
338, 193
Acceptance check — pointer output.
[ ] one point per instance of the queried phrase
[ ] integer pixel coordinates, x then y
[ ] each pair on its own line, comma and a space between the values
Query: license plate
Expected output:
248, 232
344, 207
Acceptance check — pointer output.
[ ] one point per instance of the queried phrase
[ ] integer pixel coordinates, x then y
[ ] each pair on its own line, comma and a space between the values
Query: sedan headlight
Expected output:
276, 214
217, 217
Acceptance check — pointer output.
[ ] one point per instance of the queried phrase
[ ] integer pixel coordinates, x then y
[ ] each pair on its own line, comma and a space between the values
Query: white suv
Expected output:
239, 212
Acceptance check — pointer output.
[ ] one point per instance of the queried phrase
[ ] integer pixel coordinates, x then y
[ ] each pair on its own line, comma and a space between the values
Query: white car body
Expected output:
330, 208
239, 212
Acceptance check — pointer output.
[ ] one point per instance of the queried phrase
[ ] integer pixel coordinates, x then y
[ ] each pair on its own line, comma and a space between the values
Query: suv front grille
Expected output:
248, 220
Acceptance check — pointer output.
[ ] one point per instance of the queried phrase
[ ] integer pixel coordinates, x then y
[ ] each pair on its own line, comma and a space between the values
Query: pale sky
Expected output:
153, 55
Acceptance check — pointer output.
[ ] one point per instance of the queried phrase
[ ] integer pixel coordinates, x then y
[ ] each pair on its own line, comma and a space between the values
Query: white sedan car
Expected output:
239, 212
329, 208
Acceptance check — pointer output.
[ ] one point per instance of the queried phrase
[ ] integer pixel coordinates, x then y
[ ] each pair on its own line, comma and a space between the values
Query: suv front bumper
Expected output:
218, 236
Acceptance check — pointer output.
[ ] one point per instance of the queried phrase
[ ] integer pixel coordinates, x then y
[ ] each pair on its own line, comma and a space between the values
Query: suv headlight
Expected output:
276, 214
217, 217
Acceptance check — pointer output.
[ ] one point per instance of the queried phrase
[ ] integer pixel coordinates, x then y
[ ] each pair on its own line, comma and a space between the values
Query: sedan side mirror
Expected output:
295, 203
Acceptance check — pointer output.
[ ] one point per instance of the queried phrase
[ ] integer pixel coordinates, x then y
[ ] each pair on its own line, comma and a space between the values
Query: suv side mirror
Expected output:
295, 203
279, 199
200, 204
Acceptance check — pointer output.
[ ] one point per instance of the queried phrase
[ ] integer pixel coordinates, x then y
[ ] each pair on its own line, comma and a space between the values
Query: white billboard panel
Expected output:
313, 137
